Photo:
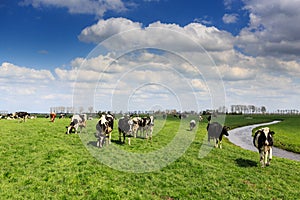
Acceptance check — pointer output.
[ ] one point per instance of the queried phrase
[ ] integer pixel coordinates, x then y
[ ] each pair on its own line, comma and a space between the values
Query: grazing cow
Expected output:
61, 116
192, 124
77, 121
52, 116
263, 141
216, 131
125, 125
104, 128
21, 115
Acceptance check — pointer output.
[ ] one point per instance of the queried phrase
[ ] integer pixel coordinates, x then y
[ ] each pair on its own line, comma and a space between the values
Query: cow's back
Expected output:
214, 129
123, 125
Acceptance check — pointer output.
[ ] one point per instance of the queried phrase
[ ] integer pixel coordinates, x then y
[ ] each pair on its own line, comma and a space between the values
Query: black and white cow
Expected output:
21, 115
192, 124
146, 125
200, 118
135, 125
125, 125
263, 141
77, 121
216, 131
104, 128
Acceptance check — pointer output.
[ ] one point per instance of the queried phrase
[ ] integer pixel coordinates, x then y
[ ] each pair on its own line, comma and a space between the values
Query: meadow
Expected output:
39, 161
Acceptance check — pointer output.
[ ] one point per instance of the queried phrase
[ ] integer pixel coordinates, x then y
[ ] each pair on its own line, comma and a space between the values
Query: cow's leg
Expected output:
68, 130
271, 153
128, 141
220, 144
109, 138
106, 139
269, 156
146, 133
261, 153
100, 141
150, 133
266, 157
216, 144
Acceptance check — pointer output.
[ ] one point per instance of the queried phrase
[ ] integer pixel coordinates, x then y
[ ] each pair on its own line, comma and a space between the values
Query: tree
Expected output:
91, 108
263, 109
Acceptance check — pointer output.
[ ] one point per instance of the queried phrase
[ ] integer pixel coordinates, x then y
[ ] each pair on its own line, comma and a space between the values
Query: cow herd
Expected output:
22, 116
142, 127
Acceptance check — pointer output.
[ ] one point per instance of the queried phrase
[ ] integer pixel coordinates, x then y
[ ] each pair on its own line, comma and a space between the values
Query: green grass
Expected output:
39, 161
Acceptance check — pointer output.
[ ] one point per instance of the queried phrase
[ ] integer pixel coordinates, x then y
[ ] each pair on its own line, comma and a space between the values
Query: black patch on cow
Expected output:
74, 122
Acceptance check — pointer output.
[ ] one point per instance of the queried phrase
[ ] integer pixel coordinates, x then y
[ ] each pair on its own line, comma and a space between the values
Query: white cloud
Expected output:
11, 72
230, 18
27, 89
273, 29
98, 7
211, 38
106, 28
232, 73
244, 75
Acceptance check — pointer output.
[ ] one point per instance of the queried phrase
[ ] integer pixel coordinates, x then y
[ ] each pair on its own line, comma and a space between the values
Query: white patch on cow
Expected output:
266, 131
103, 119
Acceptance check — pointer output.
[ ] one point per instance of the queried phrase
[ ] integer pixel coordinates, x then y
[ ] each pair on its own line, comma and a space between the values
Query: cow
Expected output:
21, 115
263, 141
104, 128
200, 118
135, 125
146, 124
125, 125
216, 131
52, 116
77, 121
192, 124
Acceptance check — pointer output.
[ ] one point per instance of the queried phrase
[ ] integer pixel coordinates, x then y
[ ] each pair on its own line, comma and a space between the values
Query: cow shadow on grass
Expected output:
241, 162
92, 143
117, 142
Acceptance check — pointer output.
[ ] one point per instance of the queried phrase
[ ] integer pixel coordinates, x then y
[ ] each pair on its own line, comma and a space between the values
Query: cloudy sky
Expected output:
149, 54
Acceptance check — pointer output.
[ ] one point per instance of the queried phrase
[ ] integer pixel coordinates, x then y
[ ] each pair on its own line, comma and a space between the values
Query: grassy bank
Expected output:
38, 161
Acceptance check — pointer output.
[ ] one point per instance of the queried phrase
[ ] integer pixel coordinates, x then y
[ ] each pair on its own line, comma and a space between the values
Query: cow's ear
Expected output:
272, 132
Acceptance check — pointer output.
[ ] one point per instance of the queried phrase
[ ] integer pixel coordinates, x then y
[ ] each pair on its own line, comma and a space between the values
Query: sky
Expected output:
149, 54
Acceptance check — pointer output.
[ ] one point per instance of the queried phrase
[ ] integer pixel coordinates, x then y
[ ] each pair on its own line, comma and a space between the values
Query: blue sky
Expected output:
254, 46
47, 36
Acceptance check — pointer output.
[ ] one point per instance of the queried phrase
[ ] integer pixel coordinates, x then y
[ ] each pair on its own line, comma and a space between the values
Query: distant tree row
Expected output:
287, 111
248, 109
234, 109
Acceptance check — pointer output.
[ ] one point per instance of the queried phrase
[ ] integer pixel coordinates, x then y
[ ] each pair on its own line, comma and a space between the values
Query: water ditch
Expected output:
242, 137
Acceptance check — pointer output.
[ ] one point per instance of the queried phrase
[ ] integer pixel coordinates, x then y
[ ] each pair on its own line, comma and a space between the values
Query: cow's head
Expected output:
151, 120
266, 136
71, 128
225, 130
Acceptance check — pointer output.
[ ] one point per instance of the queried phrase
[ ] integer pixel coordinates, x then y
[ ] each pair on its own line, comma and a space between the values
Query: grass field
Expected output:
39, 161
